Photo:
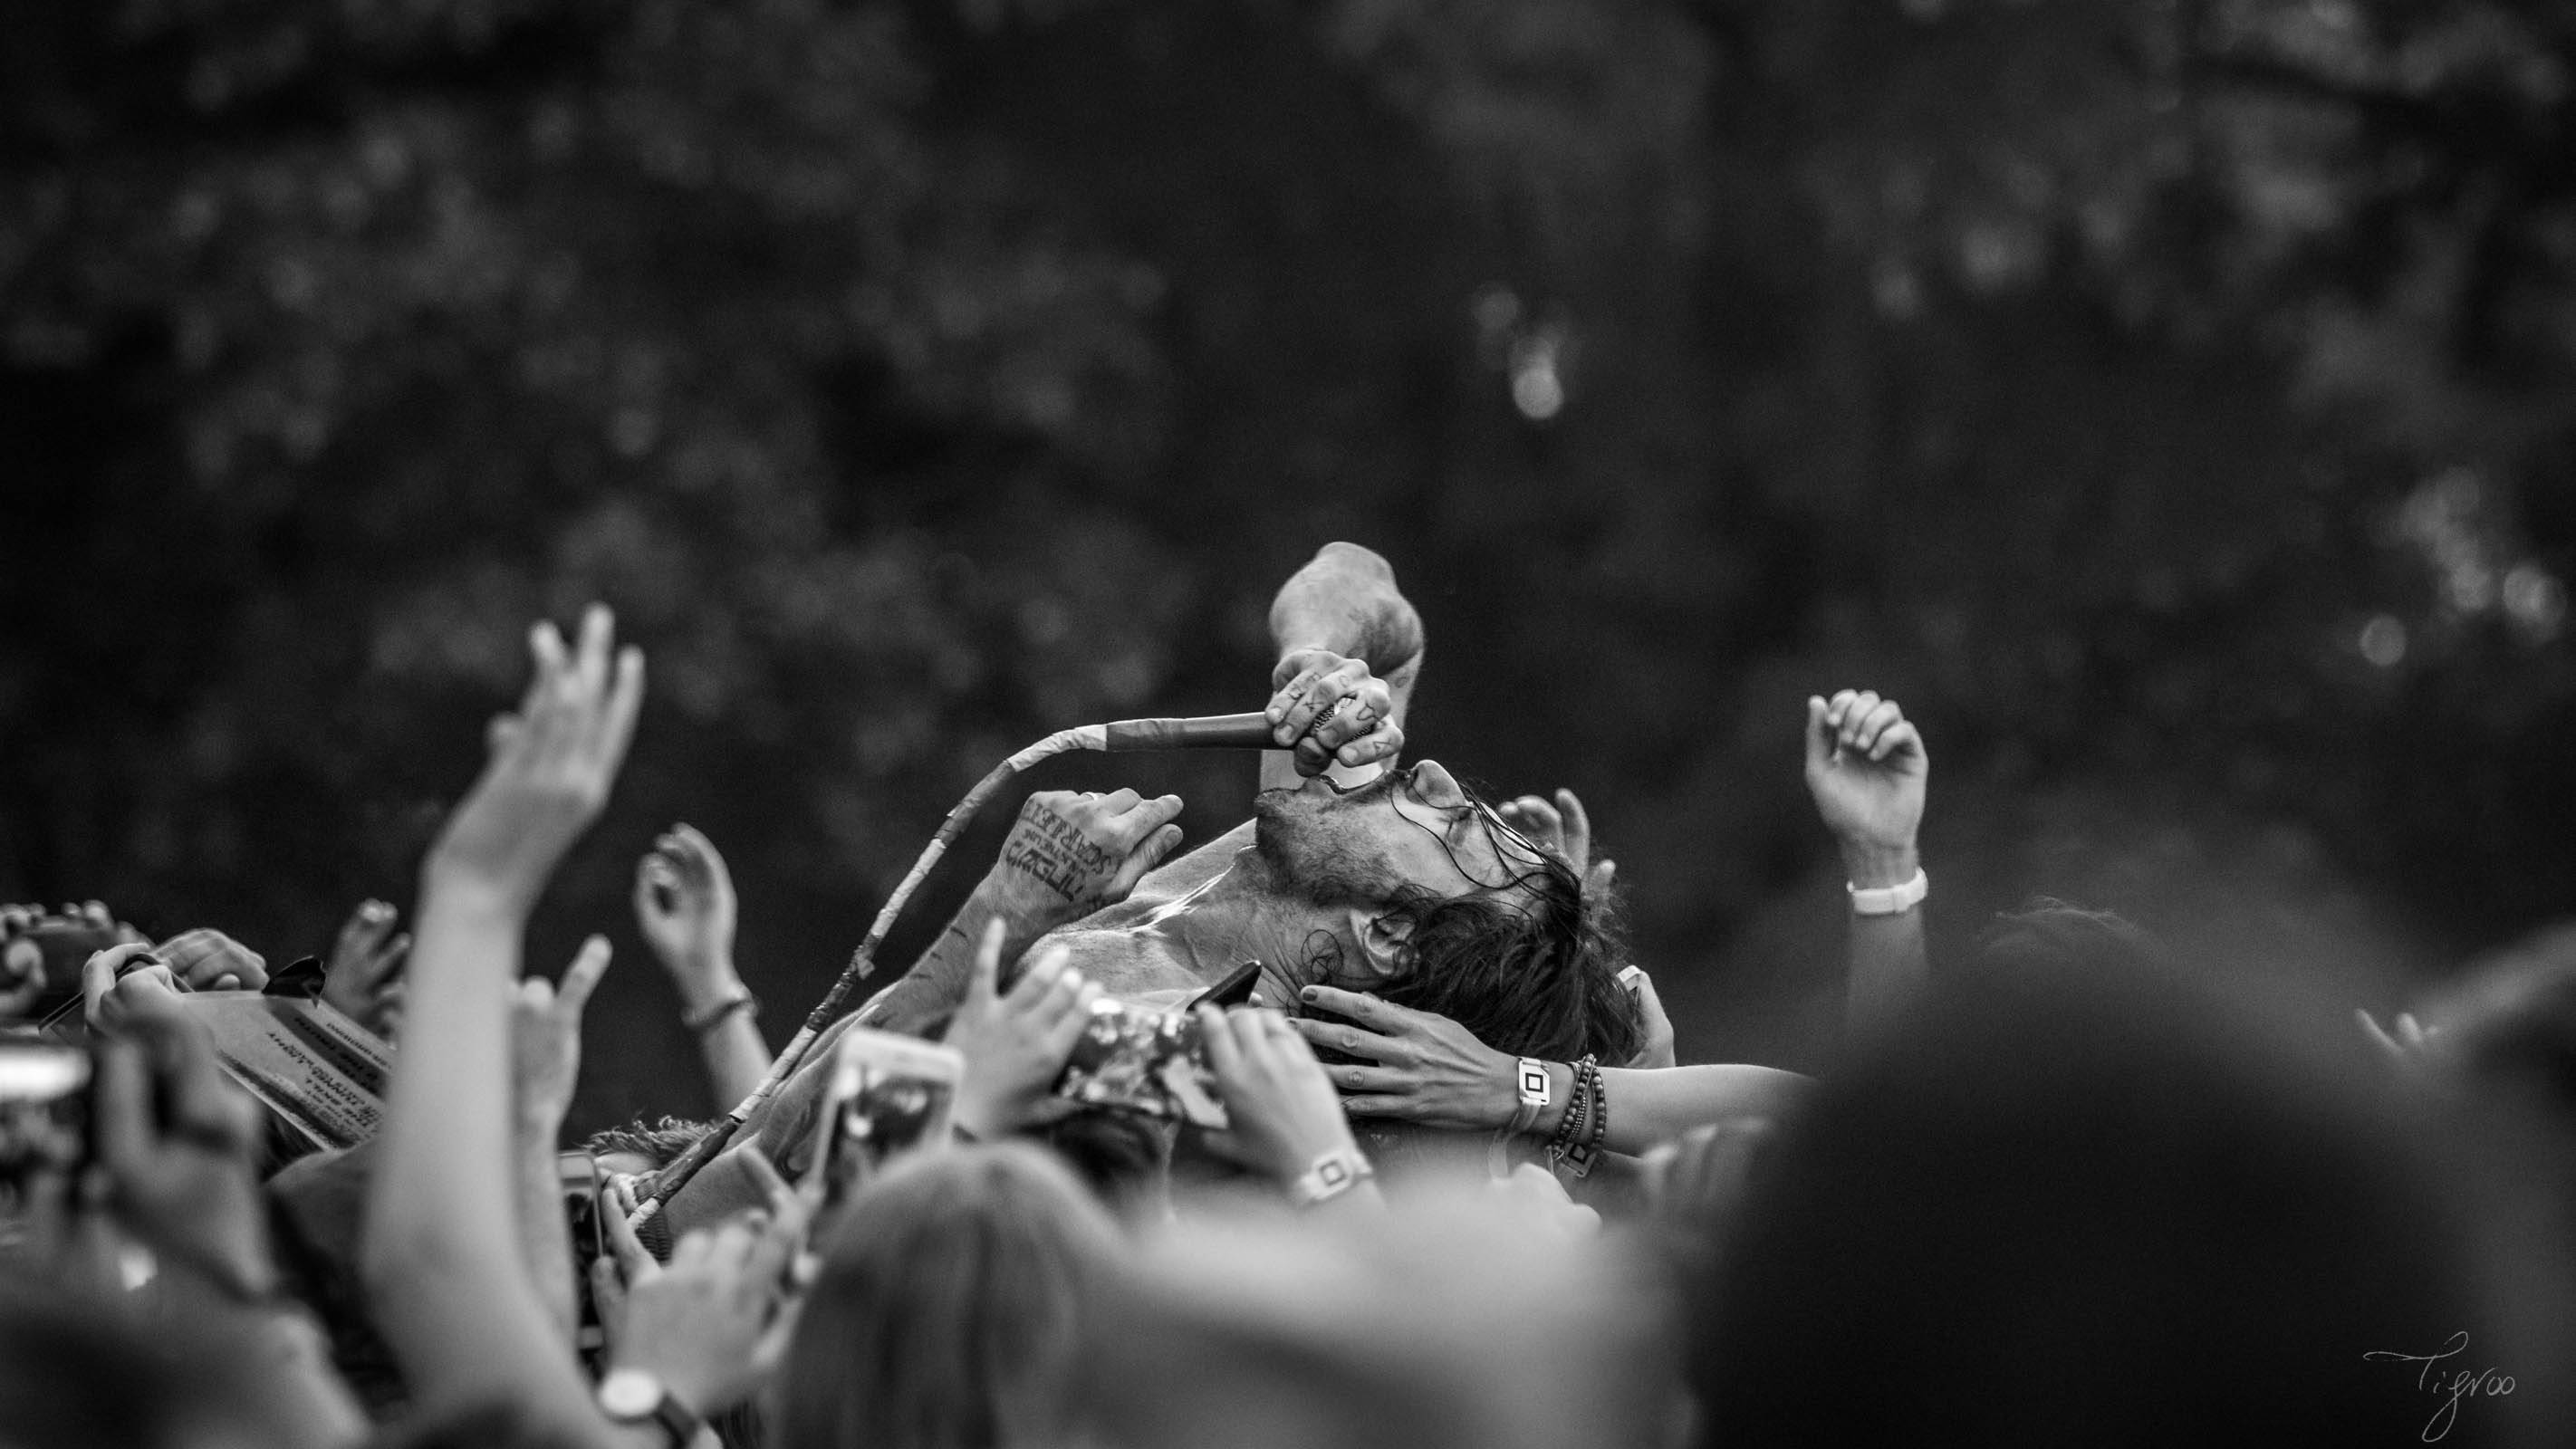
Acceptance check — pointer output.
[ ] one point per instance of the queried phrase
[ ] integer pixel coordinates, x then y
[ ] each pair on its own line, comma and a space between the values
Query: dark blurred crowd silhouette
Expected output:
1433, 1171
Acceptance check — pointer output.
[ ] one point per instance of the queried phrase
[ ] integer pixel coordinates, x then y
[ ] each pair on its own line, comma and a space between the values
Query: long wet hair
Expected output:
1532, 980
1530, 964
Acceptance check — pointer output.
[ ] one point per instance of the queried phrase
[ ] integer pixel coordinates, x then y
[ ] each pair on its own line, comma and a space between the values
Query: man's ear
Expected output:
1383, 941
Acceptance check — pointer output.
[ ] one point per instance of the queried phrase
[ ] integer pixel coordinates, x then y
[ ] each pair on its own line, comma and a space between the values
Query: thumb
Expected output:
1820, 741
988, 965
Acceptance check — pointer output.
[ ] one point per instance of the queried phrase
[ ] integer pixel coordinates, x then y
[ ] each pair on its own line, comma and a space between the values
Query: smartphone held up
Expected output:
886, 1094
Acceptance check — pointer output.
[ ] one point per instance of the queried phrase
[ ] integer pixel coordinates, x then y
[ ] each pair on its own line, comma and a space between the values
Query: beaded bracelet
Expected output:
1600, 1110
1580, 1148
1578, 1110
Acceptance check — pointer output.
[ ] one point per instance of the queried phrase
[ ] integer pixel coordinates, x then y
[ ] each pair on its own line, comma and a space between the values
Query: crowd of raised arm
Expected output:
2066, 1189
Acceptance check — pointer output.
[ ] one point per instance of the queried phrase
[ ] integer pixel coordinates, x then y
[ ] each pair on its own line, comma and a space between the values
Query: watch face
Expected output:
629, 1394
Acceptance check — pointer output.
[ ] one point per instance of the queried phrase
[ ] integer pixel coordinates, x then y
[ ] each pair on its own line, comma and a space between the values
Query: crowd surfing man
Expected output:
1411, 927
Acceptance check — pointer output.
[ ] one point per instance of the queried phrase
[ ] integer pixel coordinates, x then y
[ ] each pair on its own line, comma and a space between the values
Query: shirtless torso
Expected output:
1187, 925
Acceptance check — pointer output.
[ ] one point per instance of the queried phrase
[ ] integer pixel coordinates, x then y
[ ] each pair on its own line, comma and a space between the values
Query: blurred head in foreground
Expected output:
76, 1374
1469, 1317
2100, 1207
950, 1302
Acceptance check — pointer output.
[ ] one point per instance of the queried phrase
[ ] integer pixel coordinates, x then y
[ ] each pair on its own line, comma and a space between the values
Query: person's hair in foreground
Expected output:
947, 1308
2101, 1207
1466, 1315
660, 1141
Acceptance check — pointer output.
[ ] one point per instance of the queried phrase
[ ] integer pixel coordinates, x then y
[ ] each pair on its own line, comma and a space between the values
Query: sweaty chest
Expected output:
1128, 965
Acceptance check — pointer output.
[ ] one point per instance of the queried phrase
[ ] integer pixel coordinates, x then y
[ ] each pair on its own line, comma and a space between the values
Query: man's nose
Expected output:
1433, 785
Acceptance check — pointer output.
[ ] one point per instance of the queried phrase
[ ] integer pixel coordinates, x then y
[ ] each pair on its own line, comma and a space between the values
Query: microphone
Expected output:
1206, 732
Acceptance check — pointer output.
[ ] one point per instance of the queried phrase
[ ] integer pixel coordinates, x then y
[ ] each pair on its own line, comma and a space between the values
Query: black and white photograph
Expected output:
1287, 724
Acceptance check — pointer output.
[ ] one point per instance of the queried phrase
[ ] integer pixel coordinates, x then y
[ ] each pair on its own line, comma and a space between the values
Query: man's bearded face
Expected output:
1407, 828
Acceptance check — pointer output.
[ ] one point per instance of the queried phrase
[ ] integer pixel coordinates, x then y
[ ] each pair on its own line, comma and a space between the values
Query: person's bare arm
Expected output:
452, 1297
1342, 629
686, 909
1867, 770
545, 1049
1430, 1070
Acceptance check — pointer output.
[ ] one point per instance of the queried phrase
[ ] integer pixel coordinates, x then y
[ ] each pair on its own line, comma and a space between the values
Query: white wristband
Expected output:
1334, 1173
1530, 1074
1893, 900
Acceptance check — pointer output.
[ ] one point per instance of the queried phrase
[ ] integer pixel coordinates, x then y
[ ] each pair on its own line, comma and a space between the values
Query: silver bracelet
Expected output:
1332, 1174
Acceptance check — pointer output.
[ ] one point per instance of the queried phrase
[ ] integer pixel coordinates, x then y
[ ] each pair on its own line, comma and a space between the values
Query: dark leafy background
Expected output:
2169, 401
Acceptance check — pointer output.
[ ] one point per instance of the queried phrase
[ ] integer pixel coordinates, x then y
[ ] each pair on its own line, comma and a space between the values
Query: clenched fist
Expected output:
1330, 710
1867, 769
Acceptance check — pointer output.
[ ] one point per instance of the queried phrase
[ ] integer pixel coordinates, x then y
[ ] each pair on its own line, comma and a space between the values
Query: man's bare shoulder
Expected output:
1187, 872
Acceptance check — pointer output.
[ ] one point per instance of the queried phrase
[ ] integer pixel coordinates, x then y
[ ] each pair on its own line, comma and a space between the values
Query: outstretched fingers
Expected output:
582, 976
987, 968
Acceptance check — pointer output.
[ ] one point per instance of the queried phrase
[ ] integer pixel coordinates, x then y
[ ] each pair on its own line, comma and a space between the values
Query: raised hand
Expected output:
364, 976
684, 904
1658, 1050
549, 769
1015, 1044
1070, 854
1429, 1069
1564, 827
685, 908
1279, 1106
1867, 769
545, 1034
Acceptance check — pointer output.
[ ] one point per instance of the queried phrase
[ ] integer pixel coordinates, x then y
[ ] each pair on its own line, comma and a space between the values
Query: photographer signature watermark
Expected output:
2451, 1382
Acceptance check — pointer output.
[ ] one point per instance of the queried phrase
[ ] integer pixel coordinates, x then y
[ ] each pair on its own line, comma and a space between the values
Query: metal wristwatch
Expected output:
1536, 1089
632, 1396
1332, 1174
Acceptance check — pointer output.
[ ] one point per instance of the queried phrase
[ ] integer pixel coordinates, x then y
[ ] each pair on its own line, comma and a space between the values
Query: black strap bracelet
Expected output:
715, 1015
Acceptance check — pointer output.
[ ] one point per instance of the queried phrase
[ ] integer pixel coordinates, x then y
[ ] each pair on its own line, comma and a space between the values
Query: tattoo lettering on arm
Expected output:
1052, 851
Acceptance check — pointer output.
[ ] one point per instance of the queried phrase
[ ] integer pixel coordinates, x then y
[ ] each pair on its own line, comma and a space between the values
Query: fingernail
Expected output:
1306, 993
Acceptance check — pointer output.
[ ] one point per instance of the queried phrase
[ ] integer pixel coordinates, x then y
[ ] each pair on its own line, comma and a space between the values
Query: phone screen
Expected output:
577, 1180
1154, 1062
888, 1094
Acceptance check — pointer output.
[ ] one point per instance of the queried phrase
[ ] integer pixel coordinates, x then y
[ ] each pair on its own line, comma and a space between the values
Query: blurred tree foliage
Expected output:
2168, 401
